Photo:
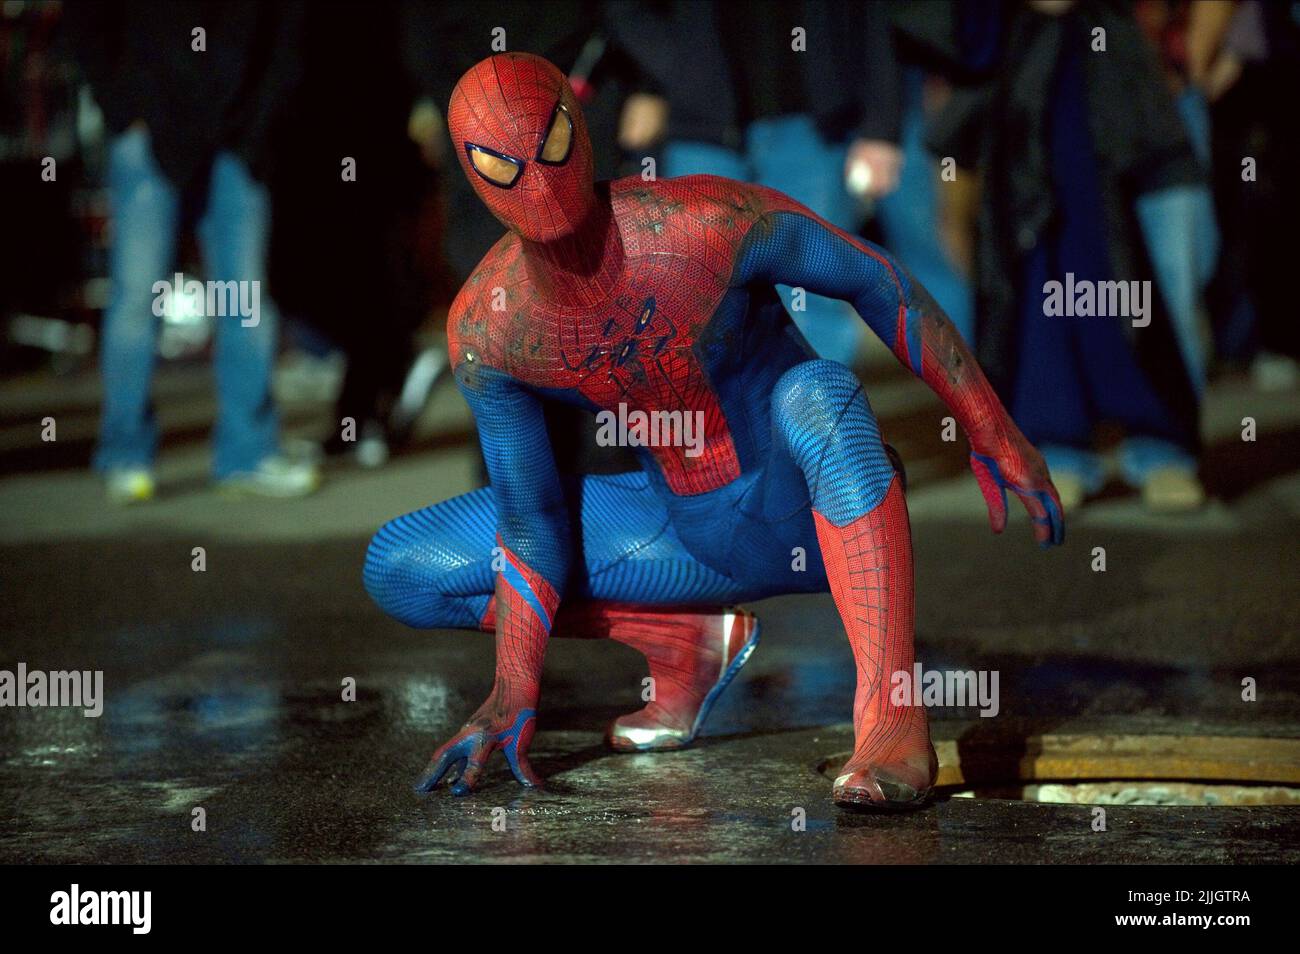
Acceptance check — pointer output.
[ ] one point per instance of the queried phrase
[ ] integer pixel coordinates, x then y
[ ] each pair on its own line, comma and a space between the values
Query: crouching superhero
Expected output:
659, 296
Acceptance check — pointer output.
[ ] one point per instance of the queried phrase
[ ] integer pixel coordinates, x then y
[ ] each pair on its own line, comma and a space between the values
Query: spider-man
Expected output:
659, 296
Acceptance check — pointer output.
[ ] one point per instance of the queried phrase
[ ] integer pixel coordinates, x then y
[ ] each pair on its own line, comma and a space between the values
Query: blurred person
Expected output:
190, 115
913, 216
800, 113
354, 256
1248, 63
41, 245
1179, 222
1068, 142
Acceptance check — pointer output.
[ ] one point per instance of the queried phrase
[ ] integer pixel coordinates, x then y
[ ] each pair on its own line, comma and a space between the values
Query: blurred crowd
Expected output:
994, 147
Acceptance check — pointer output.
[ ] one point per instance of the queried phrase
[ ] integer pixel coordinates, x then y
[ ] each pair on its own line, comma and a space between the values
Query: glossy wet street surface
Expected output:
224, 689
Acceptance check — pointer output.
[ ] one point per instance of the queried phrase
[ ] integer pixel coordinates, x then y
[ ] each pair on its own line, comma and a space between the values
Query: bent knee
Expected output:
384, 575
813, 394
819, 401
820, 377
408, 582
827, 424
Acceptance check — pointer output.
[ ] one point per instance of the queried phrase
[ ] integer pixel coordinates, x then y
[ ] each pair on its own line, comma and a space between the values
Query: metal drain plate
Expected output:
1187, 770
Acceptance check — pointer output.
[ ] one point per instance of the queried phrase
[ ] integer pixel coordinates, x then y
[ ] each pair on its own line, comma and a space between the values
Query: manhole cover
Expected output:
1117, 769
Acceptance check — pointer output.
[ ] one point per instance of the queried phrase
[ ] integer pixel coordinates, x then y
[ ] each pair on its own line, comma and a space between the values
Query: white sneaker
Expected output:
129, 485
275, 476
1173, 490
1274, 372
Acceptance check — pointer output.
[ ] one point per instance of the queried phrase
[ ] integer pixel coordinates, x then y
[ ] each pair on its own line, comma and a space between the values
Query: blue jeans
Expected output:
233, 232
787, 153
1076, 372
1182, 238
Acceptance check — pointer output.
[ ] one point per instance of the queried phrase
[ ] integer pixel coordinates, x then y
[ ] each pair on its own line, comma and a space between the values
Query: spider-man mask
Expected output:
521, 139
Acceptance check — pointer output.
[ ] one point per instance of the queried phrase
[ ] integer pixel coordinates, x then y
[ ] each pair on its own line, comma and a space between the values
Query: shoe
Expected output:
372, 451
276, 476
129, 485
1274, 372
369, 450
688, 684
1173, 490
889, 782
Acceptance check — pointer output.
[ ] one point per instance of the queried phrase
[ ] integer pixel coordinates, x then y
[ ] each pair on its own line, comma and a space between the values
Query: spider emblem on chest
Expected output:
627, 353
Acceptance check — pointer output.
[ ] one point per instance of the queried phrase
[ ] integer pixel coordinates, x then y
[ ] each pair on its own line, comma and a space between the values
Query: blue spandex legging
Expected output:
635, 543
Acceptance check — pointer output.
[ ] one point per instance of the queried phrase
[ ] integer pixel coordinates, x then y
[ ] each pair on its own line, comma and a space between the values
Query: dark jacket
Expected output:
1000, 127
443, 40
721, 65
139, 59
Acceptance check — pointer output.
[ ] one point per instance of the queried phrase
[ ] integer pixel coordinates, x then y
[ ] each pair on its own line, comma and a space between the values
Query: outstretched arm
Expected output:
532, 562
789, 245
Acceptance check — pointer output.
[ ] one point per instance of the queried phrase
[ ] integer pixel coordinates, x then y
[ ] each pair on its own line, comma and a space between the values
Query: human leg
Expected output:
822, 420
637, 585
145, 210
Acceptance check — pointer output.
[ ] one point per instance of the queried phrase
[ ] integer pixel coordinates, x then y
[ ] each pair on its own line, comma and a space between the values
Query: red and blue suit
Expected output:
659, 296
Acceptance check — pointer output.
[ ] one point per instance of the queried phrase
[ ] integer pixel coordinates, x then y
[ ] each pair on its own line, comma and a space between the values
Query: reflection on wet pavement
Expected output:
225, 691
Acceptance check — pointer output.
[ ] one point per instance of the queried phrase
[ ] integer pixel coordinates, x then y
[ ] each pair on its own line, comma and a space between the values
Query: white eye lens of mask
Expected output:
559, 138
500, 171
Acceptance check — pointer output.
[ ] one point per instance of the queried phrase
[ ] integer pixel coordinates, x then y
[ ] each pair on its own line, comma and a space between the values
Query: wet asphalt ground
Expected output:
224, 689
